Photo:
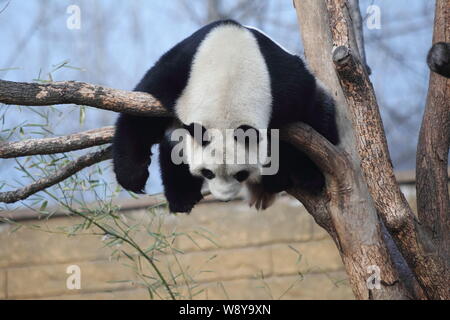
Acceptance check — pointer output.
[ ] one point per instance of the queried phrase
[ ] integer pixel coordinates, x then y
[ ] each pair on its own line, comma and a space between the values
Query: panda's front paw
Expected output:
185, 204
133, 179
180, 208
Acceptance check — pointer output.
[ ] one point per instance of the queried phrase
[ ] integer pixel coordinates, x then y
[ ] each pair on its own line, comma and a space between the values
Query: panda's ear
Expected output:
197, 131
242, 132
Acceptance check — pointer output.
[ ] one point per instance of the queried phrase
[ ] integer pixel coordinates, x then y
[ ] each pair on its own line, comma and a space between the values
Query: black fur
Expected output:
133, 140
296, 97
197, 131
438, 58
181, 188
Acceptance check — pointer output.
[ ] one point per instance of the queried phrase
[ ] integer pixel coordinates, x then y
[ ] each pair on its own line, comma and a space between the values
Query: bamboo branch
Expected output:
60, 175
67, 143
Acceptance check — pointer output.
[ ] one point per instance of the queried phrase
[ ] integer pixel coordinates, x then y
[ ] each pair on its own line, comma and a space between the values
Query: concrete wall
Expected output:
277, 253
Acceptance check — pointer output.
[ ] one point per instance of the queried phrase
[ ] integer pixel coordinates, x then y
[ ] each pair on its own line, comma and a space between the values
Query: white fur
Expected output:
277, 43
229, 84
221, 157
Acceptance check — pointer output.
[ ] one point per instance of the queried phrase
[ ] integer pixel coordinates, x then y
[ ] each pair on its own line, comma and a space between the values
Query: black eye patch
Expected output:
241, 175
208, 174
244, 133
201, 130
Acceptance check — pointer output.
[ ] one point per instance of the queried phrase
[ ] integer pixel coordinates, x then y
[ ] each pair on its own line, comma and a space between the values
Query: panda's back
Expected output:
229, 82
226, 75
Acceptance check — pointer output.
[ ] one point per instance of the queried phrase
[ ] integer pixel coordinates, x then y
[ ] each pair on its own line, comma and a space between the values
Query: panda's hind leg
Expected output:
295, 170
259, 197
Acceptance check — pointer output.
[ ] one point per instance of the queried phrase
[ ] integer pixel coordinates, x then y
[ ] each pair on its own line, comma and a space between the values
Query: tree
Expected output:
362, 207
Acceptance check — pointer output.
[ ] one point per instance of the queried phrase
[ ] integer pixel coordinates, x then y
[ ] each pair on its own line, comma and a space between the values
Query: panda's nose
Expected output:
226, 196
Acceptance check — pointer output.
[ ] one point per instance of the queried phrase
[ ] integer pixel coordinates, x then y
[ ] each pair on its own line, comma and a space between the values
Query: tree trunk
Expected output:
357, 229
332, 53
432, 153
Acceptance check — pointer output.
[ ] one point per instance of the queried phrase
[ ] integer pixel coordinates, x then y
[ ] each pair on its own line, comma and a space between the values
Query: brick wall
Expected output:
276, 253
279, 252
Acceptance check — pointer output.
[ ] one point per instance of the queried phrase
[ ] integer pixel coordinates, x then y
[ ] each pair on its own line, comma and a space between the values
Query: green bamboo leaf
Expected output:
43, 205
82, 114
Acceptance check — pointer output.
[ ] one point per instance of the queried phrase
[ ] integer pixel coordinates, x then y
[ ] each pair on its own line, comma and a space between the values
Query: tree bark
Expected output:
432, 151
67, 143
351, 208
326, 27
348, 217
80, 93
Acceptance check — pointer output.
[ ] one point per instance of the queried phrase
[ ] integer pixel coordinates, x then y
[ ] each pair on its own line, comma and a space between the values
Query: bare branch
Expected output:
6, 6
68, 92
60, 175
358, 30
67, 143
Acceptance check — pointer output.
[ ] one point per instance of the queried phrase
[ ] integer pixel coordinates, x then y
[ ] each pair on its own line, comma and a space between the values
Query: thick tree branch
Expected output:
337, 210
332, 161
413, 241
326, 155
67, 143
371, 141
358, 233
68, 92
60, 175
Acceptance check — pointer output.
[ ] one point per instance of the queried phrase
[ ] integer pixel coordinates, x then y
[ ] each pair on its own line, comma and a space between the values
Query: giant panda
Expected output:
231, 78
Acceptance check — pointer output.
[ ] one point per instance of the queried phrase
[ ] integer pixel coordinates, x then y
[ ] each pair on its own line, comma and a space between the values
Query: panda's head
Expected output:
225, 158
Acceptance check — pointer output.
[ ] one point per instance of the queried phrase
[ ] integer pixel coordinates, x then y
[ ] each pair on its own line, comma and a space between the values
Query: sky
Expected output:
119, 40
